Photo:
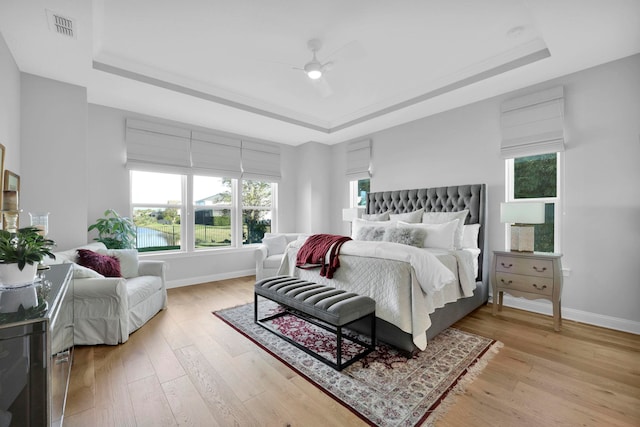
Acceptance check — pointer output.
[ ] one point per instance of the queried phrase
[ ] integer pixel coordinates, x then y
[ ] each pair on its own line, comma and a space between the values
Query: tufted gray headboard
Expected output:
437, 199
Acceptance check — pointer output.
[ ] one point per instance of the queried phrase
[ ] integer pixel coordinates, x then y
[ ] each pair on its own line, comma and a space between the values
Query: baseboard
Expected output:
545, 307
209, 278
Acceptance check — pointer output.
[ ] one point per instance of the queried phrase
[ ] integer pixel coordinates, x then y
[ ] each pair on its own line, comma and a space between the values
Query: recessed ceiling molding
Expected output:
202, 95
491, 72
503, 68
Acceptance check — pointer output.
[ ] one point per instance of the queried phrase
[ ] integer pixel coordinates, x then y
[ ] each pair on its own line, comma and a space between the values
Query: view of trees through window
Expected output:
157, 202
536, 177
364, 186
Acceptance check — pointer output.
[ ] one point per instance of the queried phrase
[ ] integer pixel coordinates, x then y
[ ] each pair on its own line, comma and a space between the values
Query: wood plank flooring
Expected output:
187, 368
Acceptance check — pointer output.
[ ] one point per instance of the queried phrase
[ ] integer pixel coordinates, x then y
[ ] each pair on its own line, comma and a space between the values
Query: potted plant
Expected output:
115, 231
20, 254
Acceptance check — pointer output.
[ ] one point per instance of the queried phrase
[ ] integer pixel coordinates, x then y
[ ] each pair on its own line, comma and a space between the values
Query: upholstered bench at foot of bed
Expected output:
321, 305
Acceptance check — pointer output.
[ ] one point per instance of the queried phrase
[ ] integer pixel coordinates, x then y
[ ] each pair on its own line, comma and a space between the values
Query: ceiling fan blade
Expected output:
322, 86
354, 50
326, 67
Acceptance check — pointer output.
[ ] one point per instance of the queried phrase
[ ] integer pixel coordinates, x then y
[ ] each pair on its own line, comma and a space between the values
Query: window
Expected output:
159, 202
536, 178
212, 207
358, 192
156, 199
257, 210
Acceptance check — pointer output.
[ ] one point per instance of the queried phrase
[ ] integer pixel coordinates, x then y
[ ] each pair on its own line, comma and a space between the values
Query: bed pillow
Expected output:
405, 235
106, 265
412, 217
275, 244
384, 216
358, 223
128, 260
470, 236
372, 234
440, 236
442, 217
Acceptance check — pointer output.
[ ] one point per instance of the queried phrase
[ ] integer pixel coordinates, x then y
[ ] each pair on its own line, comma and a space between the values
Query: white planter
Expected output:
11, 275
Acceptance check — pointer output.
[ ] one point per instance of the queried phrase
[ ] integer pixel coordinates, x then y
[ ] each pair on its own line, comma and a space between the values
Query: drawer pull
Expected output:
506, 283
540, 270
540, 288
506, 266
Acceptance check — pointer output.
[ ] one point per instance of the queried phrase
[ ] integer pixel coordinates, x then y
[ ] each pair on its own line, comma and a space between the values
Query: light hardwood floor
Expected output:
186, 367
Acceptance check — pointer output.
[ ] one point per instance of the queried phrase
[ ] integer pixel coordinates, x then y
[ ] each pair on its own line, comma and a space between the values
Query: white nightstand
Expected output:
531, 275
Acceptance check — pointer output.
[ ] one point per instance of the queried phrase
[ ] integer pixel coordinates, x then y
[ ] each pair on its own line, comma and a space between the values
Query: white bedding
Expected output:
407, 283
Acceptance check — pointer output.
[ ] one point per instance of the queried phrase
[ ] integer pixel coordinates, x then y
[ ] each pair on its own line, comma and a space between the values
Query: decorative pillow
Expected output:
128, 260
436, 235
80, 272
106, 265
358, 223
405, 235
470, 236
412, 217
384, 216
275, 244
442, 217
371, 233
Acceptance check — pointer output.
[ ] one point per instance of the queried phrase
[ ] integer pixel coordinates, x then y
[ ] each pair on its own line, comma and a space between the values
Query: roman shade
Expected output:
359, 159
157, 147
533, 124
165, 148
215, 155
260, 161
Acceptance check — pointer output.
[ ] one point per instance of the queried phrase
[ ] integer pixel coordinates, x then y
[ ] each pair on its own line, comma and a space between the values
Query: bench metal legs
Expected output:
339, 364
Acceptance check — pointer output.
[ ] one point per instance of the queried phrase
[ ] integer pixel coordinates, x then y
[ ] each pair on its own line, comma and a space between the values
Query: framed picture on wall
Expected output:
11, 181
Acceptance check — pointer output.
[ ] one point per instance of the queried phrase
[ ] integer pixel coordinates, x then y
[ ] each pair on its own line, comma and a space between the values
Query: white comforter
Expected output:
407, 283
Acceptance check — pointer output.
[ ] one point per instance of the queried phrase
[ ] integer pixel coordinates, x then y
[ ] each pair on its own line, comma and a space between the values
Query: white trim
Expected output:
209, 278
545, 307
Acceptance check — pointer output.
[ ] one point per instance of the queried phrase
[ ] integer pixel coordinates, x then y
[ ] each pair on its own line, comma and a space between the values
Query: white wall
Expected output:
53, 172
314, 187
109, 184
601, 221
9, 108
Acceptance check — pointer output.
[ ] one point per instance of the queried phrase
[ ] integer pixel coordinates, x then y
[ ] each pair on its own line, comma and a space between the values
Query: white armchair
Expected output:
108, 309
270, 253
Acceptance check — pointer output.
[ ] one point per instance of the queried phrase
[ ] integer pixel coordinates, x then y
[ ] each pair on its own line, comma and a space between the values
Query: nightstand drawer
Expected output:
528, 266
531, 284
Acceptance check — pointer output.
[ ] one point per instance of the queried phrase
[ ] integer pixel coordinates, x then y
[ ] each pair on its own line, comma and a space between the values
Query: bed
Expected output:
415, 295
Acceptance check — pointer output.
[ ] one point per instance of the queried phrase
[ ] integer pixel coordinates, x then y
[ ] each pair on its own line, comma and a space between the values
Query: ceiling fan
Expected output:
316, 71
314, 68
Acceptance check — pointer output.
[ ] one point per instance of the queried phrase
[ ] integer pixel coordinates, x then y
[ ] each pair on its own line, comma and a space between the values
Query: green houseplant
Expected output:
115, 231
20, 253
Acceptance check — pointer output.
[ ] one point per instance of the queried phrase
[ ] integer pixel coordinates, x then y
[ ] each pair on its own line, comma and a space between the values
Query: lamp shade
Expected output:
349, 214
522, 213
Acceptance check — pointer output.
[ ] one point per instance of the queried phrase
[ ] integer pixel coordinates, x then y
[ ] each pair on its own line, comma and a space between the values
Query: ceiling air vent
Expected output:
62, 25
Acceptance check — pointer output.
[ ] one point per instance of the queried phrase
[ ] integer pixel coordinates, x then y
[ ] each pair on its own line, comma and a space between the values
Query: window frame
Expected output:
241, 207
353, 192
180, 208
187, 211
557, 200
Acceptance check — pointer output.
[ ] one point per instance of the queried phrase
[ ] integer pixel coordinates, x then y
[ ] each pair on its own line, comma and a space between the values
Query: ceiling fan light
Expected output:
314, 74
313, 70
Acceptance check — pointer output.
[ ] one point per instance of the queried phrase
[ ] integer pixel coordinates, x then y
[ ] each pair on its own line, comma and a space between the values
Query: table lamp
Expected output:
522, 216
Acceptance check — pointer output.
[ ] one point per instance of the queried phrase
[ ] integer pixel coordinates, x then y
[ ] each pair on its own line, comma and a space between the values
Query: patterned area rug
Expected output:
385, 388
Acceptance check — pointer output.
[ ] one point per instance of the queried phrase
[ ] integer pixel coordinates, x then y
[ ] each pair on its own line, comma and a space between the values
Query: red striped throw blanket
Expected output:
314, 250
